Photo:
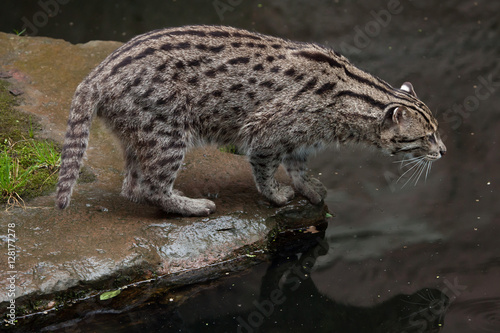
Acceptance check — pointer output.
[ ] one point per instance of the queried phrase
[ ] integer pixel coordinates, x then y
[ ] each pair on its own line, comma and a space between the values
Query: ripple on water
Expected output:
481, 315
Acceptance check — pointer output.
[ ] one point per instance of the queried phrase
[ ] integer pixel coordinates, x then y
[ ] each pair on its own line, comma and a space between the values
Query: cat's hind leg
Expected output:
132, 182
264, 166
160, 160
308, 186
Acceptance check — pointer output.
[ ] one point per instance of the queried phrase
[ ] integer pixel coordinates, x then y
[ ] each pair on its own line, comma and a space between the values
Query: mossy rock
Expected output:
14, 125
18, 142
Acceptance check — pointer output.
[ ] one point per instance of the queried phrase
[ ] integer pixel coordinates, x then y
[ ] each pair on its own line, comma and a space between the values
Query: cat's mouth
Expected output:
429, 157
432, 157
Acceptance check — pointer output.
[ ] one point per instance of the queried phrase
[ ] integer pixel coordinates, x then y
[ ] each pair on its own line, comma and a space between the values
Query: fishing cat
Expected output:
276, 100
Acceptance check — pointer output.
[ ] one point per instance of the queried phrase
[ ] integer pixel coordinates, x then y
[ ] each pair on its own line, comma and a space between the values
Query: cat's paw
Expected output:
200, 207
187, 206
318, 187
133, 194
313, 190
282, 195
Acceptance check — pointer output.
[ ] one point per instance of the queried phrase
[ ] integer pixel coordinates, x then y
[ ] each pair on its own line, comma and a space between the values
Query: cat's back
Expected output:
207, 62
223, 74
197, 47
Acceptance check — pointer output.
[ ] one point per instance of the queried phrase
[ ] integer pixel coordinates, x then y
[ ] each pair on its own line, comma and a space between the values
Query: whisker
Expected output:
430, 295
409, 159
429, 164
413, 303
412, 162
427, 298
406, 172
424, 165
412, 176
417, 166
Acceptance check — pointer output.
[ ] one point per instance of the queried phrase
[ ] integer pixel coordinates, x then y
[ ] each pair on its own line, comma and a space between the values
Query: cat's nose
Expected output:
442, 152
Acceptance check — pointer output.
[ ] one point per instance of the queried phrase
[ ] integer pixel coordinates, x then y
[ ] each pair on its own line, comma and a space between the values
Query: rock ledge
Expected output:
102, 241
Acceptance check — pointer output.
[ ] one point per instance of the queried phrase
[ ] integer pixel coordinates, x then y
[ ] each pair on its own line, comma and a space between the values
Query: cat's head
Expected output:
411, 129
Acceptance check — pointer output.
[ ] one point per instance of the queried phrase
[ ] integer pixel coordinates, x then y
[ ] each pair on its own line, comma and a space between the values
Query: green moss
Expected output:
14, 125
28, 166
232, 149
41, 182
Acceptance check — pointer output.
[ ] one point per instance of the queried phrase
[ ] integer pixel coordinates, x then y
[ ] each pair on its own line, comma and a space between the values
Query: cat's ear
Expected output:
395, 115
408, 87
393, 122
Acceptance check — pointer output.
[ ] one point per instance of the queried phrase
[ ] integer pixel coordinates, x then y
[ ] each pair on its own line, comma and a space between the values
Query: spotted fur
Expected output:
275, 99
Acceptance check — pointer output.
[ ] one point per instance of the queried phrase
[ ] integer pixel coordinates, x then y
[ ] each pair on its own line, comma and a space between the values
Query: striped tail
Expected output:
75, 143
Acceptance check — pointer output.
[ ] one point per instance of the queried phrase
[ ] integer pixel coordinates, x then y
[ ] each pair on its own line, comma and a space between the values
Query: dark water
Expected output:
436, 242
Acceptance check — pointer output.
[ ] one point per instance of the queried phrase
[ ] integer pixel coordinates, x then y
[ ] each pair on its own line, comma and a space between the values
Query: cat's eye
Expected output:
431, 138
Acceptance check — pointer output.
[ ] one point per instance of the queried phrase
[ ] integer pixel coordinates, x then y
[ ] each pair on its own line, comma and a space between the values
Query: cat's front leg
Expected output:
308, 186
264, 166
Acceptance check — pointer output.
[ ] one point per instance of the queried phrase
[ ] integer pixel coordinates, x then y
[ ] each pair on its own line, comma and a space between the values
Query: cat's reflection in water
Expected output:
289, 301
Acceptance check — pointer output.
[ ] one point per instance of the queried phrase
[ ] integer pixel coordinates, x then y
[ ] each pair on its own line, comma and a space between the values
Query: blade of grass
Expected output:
46, 154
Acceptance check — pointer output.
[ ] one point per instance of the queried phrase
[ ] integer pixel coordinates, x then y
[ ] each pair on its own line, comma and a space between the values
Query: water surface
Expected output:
436, 241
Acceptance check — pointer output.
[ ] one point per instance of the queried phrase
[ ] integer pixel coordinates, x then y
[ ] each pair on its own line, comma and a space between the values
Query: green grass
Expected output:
44, 154
27, 169
28, 166
12, 176
19, 33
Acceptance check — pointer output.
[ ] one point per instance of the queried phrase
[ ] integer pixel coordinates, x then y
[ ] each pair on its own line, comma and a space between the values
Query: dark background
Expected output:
384, 240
